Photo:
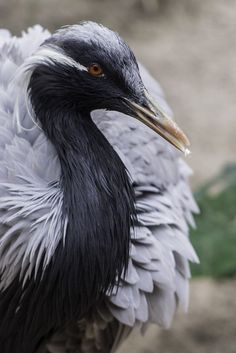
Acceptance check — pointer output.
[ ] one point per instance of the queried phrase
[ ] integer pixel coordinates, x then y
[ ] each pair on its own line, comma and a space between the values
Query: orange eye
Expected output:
95, 70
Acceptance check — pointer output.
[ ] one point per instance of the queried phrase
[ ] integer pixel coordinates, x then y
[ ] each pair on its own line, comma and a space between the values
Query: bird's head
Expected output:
86, 67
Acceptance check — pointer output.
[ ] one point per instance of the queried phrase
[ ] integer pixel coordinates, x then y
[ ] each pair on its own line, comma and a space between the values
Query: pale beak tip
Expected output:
162, 124
187, 152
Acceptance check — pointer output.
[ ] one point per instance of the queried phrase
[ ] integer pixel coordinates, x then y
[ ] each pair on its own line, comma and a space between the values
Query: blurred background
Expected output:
190, 47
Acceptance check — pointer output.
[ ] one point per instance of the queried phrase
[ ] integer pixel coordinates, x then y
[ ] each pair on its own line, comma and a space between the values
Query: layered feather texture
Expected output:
31, 205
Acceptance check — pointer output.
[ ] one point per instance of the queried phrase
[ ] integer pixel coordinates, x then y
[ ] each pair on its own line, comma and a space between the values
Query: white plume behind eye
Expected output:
44, 55
54, 54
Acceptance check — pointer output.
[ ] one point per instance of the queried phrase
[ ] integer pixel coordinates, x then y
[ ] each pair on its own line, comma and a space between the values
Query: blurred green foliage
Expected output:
215, 236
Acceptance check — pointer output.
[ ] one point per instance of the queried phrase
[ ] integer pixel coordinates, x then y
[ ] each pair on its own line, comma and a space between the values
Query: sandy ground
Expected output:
209, 327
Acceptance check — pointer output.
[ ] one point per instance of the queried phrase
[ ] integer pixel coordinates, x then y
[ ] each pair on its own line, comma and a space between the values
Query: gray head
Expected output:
94, 69
86, 67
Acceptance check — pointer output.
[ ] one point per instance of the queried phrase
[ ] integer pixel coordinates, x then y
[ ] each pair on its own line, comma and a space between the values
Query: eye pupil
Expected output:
95, 70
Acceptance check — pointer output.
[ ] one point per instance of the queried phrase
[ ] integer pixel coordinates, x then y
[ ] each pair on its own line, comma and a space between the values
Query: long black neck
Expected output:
99, 206
98, 202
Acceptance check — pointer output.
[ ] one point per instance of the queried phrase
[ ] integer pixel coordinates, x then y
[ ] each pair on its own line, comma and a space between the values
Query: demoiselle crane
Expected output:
94, 205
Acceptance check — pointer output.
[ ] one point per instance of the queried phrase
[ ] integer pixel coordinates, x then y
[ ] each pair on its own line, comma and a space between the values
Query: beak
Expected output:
155, 118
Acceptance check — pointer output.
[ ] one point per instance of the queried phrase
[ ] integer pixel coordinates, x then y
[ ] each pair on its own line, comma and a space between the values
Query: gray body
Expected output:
31, 201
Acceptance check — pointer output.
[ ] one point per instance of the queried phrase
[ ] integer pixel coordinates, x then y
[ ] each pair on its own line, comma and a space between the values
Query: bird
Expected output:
95, 204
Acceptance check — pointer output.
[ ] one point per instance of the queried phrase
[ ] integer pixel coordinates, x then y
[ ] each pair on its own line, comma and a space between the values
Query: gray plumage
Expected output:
31, 202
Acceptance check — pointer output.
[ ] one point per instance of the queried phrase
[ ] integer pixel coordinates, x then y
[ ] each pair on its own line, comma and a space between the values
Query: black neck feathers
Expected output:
99, 205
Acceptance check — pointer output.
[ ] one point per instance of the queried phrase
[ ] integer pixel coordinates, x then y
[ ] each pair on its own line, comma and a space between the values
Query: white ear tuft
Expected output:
48, 55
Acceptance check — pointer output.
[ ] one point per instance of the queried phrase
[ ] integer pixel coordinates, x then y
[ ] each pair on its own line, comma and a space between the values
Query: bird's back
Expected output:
30, 203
